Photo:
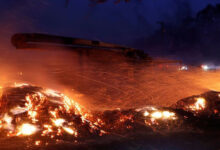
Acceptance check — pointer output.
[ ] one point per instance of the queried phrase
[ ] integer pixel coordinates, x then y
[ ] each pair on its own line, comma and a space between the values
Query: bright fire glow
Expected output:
49, 112
53, 114
156, 115
51, 92
70, 131
58, 122
167, 114
146, 113
20, 84
163, 115
27, 129
37, 143
200, 104
8, 122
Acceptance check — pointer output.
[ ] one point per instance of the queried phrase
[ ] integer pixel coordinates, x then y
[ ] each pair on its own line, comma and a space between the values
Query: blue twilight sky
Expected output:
122, 23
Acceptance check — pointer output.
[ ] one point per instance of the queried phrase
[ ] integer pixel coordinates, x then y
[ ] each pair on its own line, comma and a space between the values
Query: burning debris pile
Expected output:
43, 113
49, 117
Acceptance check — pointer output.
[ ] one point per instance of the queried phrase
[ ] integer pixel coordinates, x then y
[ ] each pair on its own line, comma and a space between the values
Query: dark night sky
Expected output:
122, 23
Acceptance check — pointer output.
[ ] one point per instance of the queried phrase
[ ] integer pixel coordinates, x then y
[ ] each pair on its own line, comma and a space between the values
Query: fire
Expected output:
146, 113
8, 122
37, 143
47, 129
70, 104
156, 115
58, 122
33, 115
167, 114
20, 84
53, 93
7, 119
18, 110
70, 131
200, 104
48, 115
27, 129
163, 115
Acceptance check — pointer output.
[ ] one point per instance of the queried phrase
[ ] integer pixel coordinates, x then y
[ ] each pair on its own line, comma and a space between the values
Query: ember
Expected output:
146, 113
58, 122
199, 104
156, 115
49, 116
27, 129
37, 143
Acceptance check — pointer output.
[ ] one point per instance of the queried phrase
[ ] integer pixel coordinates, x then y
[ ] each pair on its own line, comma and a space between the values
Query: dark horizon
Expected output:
132, 23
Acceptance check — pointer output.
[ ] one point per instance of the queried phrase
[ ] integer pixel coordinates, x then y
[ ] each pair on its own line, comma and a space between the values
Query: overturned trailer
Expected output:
36, 40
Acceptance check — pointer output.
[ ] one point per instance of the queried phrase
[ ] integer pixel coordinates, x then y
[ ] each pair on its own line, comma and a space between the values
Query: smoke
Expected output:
22, 65
101, 80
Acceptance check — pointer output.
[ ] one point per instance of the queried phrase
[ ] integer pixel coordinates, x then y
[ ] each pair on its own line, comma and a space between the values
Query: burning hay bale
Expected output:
33, 111
48, 117
201, 110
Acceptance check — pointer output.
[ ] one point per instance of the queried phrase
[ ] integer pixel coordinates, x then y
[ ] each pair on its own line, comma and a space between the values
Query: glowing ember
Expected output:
18, 110
20, 84
168, 115
37, 143
8, 122
200, 104
163, 115
70, 131
58, 122
52, 116
146, 113
7, 118
27, 129
156, 115
50, 92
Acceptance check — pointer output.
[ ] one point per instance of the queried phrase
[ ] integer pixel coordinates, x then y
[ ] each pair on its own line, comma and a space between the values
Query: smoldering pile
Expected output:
46, 117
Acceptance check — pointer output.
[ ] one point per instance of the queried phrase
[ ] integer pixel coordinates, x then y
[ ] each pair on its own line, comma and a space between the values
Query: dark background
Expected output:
168, 28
